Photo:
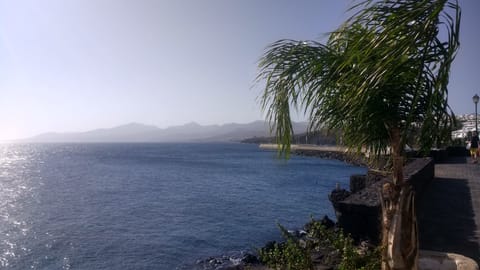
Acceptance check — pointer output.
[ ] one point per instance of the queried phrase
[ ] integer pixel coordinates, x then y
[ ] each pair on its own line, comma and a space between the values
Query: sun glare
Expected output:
9, 134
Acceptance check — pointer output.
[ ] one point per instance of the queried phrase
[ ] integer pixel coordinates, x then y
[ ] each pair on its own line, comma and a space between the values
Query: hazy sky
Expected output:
76, 65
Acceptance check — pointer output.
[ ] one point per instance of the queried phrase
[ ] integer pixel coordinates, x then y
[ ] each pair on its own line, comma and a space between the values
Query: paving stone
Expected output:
449, 212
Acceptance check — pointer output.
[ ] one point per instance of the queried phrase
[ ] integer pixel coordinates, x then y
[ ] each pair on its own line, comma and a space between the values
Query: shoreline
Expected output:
248, 259
306, 147
321, 151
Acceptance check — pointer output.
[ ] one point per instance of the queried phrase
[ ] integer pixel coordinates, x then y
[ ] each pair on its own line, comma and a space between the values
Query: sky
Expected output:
78, 65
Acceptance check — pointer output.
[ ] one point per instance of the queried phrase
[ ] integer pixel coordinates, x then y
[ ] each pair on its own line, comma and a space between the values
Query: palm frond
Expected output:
385, 68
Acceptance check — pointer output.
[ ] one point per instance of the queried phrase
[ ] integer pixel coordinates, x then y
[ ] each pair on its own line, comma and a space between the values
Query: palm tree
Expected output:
381, 76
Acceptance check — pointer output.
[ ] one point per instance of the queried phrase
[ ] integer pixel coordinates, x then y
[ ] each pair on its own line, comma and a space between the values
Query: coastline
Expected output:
321, 151
250, 259
307, 147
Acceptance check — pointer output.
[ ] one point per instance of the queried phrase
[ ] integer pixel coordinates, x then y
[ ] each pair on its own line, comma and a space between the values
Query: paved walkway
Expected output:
449, 212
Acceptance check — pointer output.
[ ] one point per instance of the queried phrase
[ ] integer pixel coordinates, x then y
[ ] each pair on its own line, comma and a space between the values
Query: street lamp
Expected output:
475, 100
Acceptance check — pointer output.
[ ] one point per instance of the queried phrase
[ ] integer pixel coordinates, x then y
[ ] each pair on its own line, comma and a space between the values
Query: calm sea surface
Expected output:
151, 206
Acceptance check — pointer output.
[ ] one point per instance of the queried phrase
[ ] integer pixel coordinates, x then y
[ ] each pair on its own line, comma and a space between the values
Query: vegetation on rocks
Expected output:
319, 245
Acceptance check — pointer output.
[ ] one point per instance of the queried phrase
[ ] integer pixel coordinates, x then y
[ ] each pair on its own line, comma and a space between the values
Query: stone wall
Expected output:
358, 211
457, 151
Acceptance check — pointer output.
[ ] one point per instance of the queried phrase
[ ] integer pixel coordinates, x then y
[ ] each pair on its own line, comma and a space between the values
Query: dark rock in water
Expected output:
234, 261
250, 259
213, 262
338, 195
327, 222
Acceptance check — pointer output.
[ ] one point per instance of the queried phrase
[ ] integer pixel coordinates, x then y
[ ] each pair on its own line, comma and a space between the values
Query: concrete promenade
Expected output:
449, 212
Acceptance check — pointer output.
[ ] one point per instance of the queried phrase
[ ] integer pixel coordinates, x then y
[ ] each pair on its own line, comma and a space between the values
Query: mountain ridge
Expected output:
189, 132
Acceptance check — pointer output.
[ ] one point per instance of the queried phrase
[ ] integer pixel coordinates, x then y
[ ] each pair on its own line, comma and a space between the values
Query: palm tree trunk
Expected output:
397, 156
399, 224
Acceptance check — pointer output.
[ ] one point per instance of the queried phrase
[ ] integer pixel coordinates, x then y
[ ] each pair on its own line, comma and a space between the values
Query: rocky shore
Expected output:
231, 262
322, 151
323, 259
250, 259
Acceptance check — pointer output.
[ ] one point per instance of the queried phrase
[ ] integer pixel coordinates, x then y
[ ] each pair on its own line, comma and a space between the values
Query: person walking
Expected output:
474, 147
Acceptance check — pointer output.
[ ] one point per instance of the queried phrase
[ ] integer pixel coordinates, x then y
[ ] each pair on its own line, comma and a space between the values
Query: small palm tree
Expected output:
381, 77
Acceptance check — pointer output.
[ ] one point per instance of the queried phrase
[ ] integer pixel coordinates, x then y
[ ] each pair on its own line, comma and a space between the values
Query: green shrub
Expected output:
337, 248
289, 255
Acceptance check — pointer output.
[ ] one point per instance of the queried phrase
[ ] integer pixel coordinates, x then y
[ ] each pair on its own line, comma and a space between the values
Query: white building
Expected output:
468, 122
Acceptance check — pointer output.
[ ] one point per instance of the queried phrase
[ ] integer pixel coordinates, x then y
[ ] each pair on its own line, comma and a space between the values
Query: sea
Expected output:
153, 206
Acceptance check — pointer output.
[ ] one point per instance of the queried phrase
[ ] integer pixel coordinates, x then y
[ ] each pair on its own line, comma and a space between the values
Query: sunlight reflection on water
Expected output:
150, 206
17, 167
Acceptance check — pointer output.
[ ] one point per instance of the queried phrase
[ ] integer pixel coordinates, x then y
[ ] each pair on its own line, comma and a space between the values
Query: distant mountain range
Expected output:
191, 132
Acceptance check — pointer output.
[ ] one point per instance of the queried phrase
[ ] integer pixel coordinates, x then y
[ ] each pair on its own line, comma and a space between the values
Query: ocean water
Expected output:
152, 206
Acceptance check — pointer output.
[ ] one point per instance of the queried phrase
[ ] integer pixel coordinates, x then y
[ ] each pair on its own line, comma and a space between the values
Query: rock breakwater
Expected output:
323, 151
